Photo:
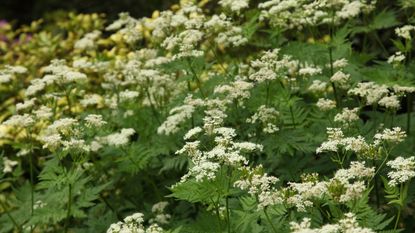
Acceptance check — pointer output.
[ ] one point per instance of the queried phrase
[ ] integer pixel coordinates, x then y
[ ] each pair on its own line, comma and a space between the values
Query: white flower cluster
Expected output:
205, 164
186, 42
396, 58
302, 194
318, 86
336, 139
260, 186
224, 32
8, 165
351, 180
267, 117
8, 73
307, 70
63, 132
301, 13
56, 73
345, 186
373, 94
348, 224
235, 5
403, 170
238, 90
339, 63
394, 136
325, 104
119, 139
184, 29
88, 41
134, 224
27, 104
340, 79
20, 121
178, 115
271, 66
358, 144
189, 16
94, 120
402, 90
390, 102
405, 31
127, 27
137, 77
158, 210
91, 100
347, 116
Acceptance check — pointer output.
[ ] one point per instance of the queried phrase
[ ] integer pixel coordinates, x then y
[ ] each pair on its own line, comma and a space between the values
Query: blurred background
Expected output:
24, 11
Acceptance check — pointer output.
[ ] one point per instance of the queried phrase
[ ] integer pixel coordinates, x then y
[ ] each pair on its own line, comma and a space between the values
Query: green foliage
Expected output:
210, 118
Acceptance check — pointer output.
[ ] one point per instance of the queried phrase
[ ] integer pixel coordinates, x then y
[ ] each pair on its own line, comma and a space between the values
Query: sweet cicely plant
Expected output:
229, 116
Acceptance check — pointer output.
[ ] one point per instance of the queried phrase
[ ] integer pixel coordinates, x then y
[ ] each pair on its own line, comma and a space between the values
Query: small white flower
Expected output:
75, 144
318, 86
395, 135
234, 5
120, 139
193, 132
24, 120
8, 165
43, 112
390, 102
326, 104
347, 116
405, 31
309, 71
338, 64
396, 58
403, 170
94, 120
52, 141
340, 79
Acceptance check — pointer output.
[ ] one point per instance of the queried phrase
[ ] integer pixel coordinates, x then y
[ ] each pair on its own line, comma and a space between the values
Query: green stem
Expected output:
192, 118
32, 188
331, 60
292, 117
381, 165
376, 187
68, 99
392, 119
268, 90
408, 116
153, 108
195, 77
110, 207
338, 160
214, 47
380, 43
331, 74
402, 190
10, 216
68, 213
217, 215
228, 216
270, 222
397, 218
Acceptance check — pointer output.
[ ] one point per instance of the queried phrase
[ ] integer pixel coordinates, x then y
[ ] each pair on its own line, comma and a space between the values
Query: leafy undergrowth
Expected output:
214, 116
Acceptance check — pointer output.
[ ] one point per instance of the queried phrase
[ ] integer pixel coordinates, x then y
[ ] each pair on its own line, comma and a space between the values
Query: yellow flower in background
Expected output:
202, 3
155, 14
311, 40
326, 38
